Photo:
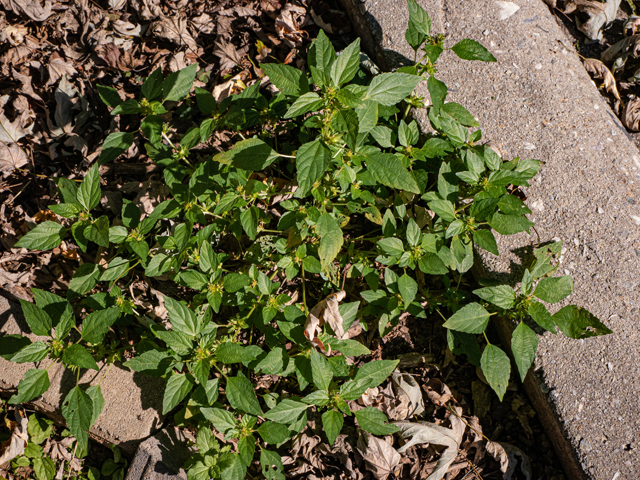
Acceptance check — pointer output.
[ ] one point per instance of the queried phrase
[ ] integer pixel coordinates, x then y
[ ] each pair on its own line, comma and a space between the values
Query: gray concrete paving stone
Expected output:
537, 101
133, 401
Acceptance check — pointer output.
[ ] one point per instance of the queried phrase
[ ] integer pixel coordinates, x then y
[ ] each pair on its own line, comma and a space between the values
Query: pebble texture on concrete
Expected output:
132, 401
537, 101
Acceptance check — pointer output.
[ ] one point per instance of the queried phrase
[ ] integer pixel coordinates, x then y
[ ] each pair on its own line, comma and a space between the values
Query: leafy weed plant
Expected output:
331, 209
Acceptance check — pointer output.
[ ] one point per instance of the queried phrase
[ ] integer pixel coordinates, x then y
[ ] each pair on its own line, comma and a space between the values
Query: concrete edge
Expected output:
550, 421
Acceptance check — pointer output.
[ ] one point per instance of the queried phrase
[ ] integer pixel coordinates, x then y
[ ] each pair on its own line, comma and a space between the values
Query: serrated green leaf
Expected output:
309, 102
332, 422
274, 433
77, 410
229, 352
78, 356
524, 343
235, 281
468, 49
444, 209
577, 322
251, 154
271, 463
152, 87
501, 296
288, 80
408, 288
45, 236
98, 231
241, 395
181, 317
419, 17
96, 325
221, 420
485, 239
178, 85
387, 169
116, 267
471, 318
374, 373
114, 145
321, 53
390, 88
496, 368
312, 160
178, 386
97, 401
38, 320
320, 371
249, 219
331, 239
374, 421
437, 91
83, 280
461, 114
431, 264
287, 411
34, 384
541, 316
109, 96
509, 224
345, 67
554, 289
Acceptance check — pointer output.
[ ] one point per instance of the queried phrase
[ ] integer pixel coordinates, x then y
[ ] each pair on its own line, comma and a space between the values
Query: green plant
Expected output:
331, 194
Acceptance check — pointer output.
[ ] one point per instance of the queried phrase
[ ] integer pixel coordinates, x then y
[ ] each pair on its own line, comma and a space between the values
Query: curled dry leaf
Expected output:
326, 311
506, 454
631, 114
594, 15
174, 29
11, 157
11, 132
380, 458
30, 8
600, 71
425, 432
317, 19
626, 47
14, 34
19, 438
631, 25
57, 68
288, 24
405, 386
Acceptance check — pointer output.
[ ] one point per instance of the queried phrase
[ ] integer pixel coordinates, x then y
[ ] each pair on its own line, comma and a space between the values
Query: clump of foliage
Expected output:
334, 199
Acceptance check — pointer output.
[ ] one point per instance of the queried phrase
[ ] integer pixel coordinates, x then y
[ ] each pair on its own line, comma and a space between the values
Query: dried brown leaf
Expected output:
228, 54
11, 132
380, 458
174, 29
406, 386
11, 157
288, 24
19, 438
599, 16
631, 114
317, 19
600, 71
326, 311
57, 67
14, 34
506, 454
31, 8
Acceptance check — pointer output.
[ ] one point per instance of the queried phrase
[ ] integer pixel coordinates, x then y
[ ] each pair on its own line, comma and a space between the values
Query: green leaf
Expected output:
509, 224
178, 386
39, 428
390, 88
83, 280
235, 281
287, 411
114, 145
241, 395
246, 450
414, 37
332, 422
221, 420
98, 231
319, 398
331, 239
437, 91
347, 64
321, 53
178, 85
274, 433
309, 102
152, 87
501, 296
77, 409
320, 370
431, 264
408, 289
127, 107
512, 205
109, 96
468, 49
312, 160
444, 209
554, 289
66, 210
116, 267
181, 317
524, 343
288, 80
471, 318
485, 239
374, 373
391, 246
95, 393
348, 347
45, 236
541, 316
96, 325
387, 169
151, 362
419, 17
251, 154
271, 463
39, 322
374, 421
33, 352
576, 322
78, 356
229, 352
461, 114
34, 384
496, 368
249, 220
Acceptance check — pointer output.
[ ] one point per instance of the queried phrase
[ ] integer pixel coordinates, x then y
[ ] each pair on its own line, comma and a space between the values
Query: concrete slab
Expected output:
161, 457
537, 101
133, 401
